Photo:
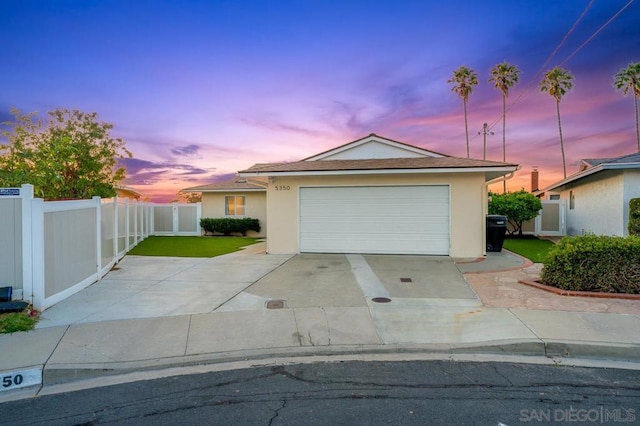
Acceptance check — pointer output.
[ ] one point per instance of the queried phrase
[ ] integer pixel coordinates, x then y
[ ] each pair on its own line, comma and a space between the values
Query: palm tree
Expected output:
464, 79
504, 76
557, 82
628, 79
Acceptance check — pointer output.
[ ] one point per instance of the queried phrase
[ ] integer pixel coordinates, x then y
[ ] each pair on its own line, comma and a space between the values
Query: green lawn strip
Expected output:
16, 321
533, 249
190, 246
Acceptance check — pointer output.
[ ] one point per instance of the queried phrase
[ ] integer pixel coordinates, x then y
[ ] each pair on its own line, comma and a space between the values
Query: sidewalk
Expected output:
67, 353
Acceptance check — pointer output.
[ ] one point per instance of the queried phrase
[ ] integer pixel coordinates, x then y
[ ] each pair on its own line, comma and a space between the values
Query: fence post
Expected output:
26, 195
115, 229
126, 225
37, 253
98, 206
135, 223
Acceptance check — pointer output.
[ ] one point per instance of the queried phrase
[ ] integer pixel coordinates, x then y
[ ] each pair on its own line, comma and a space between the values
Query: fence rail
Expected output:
53, 249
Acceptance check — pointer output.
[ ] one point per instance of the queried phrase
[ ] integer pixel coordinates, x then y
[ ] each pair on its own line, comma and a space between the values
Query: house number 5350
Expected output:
283, 188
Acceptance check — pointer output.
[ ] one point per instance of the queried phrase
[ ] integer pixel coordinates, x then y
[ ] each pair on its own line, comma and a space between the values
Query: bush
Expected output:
594, 263
634, 216
228, 225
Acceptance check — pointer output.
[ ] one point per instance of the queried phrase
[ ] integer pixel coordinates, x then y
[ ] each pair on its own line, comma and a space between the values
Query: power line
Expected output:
534, 80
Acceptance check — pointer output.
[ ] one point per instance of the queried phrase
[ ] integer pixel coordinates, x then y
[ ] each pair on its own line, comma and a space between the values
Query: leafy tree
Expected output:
72, 155
557, 82
626, 80
518, 207
464, 79
504, 76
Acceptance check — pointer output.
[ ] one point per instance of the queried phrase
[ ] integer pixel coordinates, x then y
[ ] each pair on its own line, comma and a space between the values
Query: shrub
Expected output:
228, 225
634, 216
594, 263
518, 207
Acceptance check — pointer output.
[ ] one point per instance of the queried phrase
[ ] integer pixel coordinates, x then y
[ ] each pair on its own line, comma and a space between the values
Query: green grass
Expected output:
16, 321
190, 246
533, 249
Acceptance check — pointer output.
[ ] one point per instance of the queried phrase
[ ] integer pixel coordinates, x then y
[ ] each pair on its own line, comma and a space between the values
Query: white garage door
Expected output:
375, 219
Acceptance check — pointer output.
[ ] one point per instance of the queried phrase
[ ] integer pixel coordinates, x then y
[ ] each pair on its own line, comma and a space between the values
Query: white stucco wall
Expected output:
255, 207
598, 205
467, 203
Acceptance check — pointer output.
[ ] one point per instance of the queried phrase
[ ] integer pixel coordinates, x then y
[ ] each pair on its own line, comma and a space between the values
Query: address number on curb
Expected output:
20, 379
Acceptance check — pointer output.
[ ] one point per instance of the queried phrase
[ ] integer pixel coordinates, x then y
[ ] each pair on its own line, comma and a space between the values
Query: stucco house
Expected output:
596, 199
237, 197
377, 195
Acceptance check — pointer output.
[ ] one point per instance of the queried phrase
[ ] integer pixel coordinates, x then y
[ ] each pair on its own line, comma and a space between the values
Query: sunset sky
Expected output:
201, 89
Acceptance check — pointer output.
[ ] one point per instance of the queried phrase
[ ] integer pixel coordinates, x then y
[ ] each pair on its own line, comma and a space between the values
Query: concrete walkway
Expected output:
327, 307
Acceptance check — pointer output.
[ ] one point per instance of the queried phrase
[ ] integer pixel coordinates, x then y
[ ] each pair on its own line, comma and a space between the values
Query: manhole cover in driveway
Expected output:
406, 280
275, 304
381, 299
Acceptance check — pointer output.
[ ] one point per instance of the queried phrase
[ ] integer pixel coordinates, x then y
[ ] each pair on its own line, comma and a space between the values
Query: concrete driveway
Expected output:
148, 287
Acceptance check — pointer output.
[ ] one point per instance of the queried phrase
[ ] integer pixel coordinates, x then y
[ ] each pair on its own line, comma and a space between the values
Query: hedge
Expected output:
594, 263
228, 226
634, 216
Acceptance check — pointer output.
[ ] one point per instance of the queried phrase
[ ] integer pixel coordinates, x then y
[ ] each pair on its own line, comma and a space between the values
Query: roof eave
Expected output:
505, 169
590, 171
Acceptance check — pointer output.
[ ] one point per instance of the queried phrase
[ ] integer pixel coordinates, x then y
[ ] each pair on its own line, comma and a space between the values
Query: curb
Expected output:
575, 293
67, 373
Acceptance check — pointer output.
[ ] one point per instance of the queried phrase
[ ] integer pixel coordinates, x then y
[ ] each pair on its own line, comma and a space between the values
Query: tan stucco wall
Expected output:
467, 204
255, 207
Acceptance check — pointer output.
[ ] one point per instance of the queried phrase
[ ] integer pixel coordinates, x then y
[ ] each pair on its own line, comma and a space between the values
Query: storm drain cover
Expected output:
275, 304
406, 280
381, 299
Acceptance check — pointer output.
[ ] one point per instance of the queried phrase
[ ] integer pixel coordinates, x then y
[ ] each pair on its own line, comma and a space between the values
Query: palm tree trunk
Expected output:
564, 164
504, 138
466, 127
635, 98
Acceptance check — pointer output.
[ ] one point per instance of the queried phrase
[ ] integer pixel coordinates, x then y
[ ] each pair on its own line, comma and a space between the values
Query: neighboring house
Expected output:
597, 197
377, 195
237, 197
127, 192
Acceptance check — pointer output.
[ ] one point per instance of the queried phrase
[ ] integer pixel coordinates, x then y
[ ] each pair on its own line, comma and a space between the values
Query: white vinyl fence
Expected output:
50, 250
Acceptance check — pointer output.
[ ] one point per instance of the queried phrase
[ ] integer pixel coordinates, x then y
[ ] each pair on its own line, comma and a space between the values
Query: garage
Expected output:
375, 219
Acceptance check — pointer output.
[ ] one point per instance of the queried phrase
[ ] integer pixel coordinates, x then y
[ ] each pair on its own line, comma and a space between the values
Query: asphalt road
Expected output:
353, 393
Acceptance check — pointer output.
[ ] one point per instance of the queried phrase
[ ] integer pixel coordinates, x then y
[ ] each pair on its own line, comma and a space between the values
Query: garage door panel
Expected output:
398, 219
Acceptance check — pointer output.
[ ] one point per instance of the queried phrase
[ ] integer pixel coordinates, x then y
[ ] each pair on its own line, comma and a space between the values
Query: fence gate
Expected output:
177, 219
551, 219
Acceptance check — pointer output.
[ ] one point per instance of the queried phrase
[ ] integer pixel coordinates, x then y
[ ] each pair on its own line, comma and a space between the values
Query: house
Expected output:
597, 197
377, 195
236, 197
123, 191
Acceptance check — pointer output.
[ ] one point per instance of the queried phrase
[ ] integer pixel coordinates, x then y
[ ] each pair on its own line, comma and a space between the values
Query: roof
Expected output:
374, 164
235, 184
630, 161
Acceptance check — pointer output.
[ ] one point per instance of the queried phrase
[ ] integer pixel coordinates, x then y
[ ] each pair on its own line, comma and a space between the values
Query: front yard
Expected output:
190, 246
533, 249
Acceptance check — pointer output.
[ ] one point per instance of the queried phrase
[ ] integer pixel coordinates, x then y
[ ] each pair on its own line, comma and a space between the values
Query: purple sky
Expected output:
201, 89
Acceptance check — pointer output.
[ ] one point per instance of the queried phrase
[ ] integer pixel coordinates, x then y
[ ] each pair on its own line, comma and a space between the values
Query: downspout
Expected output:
485, 204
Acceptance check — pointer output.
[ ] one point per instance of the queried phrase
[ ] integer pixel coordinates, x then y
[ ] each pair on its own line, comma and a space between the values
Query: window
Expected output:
572, 200
234, 205
554, 197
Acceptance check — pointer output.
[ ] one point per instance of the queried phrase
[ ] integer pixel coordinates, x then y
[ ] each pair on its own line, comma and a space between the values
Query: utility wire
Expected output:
534, 80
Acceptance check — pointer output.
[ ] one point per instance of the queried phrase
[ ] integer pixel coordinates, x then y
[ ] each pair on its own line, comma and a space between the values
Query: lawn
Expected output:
16, 321
190, 246
533, 249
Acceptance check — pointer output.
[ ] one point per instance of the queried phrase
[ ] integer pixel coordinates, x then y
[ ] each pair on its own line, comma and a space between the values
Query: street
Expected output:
353, 393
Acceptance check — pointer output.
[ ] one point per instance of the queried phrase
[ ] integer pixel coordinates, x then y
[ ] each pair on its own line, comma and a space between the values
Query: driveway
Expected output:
147, 287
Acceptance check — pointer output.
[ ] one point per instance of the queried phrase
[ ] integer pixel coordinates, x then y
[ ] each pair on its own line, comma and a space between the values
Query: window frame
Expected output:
242, 205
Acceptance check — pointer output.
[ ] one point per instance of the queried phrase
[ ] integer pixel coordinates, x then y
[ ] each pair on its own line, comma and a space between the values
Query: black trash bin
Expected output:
496, 229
